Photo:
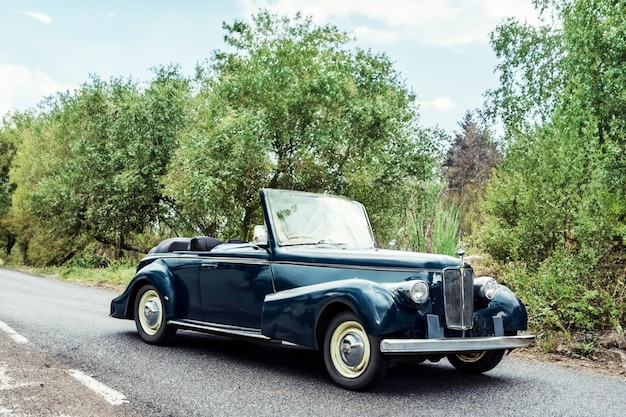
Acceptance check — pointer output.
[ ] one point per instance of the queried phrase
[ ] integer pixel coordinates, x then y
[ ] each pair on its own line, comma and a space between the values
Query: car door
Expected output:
233, 286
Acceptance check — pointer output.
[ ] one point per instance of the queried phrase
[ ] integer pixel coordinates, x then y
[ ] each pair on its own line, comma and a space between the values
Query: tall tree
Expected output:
557, 207
90, 166
9, 139
290, 107
42, 151
467, 169
127, 139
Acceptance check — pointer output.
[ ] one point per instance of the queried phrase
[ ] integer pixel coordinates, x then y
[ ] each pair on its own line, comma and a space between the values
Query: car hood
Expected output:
375, 258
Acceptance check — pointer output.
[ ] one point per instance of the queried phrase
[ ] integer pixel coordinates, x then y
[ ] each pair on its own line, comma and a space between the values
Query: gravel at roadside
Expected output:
33, 383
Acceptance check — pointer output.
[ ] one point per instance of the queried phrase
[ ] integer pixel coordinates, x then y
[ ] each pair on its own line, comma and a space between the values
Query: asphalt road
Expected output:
68, 330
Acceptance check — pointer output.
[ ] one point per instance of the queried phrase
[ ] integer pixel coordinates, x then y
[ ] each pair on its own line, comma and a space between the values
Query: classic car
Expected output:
314, 277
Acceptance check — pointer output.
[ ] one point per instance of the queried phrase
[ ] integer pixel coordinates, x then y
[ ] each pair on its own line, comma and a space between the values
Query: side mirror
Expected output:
260, 236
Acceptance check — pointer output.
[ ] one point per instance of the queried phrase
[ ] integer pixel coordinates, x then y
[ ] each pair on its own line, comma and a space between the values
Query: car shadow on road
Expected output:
405, 376
259, 354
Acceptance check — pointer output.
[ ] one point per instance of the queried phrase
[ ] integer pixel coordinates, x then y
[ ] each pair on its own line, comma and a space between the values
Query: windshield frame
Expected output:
297, 218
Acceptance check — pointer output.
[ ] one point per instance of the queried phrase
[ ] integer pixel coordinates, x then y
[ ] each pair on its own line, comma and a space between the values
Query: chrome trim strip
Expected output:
258, 261
210, 259
452, 345
358, 267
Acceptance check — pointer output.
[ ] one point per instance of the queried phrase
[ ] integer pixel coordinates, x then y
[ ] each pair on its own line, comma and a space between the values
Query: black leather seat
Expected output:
203, 243
171, 245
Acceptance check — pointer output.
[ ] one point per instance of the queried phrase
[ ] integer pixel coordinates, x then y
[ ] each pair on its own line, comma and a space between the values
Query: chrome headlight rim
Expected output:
418, 291
415, 292
488, 287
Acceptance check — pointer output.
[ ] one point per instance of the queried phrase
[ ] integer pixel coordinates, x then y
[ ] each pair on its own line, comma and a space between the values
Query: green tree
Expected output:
467, 169
124, 150
9, 139
90, 168
556, 211
39, 156
291, 107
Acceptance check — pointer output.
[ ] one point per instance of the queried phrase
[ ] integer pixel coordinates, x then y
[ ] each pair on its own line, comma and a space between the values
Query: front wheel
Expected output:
352, 357
476, 362
150, 317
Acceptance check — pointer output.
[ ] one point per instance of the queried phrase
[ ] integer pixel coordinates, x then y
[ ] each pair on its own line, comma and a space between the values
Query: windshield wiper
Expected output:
331, 243
301, 240
295, 241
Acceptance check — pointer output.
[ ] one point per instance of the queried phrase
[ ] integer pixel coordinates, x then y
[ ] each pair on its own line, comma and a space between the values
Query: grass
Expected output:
438, 233
114, 277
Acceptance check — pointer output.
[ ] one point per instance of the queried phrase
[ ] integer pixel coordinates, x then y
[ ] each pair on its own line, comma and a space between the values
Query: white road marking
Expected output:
110, 395
17, 338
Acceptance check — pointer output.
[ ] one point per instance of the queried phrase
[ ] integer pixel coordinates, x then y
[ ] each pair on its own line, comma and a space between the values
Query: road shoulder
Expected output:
33, 383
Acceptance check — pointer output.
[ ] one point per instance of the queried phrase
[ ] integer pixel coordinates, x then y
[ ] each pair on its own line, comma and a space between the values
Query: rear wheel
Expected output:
150, 316
476, 362
352, 357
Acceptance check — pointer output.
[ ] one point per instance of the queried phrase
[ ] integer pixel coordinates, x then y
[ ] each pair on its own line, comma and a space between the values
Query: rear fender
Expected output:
293, 315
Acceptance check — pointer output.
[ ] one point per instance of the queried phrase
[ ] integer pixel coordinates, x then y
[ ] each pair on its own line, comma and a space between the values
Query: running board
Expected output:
226, 330
219, 329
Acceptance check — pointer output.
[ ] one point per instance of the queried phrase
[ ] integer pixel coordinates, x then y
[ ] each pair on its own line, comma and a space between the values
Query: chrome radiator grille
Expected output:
458, 298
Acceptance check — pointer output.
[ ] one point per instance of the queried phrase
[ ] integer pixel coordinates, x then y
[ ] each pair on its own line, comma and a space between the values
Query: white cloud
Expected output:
446, 23
111, 15
369, 35
22, 88
40, 17
443, 104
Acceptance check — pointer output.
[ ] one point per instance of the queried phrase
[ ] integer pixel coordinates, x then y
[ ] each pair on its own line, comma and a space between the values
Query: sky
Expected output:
440, 47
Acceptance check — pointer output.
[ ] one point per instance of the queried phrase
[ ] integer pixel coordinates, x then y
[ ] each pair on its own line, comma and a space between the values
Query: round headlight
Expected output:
418, 291
490, 288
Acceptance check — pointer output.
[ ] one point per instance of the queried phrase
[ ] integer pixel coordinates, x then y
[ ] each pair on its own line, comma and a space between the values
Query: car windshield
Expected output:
314, 219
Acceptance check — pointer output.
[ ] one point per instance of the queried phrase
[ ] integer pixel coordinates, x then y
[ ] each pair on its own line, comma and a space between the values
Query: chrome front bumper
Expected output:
452, 345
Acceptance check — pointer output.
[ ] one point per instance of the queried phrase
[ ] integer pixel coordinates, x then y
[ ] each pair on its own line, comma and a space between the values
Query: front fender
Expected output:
509, 307
156, 274
292, 315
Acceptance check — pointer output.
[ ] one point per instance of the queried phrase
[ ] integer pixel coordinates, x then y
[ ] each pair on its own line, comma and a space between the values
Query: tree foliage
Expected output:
89, 166
556, 209
467, 169
115, 164
9, 140
291, 108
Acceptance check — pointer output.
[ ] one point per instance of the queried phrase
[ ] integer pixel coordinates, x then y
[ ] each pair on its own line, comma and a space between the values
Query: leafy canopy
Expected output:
290, 107
89, 167
559, 201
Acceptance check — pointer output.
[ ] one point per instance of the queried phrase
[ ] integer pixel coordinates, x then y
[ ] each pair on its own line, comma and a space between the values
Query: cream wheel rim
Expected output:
150, 312
471, 357
350, 349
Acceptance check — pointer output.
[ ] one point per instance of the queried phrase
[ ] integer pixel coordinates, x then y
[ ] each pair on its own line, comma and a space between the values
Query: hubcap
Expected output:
151, 313
352, 350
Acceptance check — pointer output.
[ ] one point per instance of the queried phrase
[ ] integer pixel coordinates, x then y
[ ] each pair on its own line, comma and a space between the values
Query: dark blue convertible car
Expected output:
313, 277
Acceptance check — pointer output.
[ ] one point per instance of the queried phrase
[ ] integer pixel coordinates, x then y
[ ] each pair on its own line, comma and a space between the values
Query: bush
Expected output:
566, 295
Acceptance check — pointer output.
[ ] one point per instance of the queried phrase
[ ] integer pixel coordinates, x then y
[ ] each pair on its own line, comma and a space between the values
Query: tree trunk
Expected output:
120, 245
